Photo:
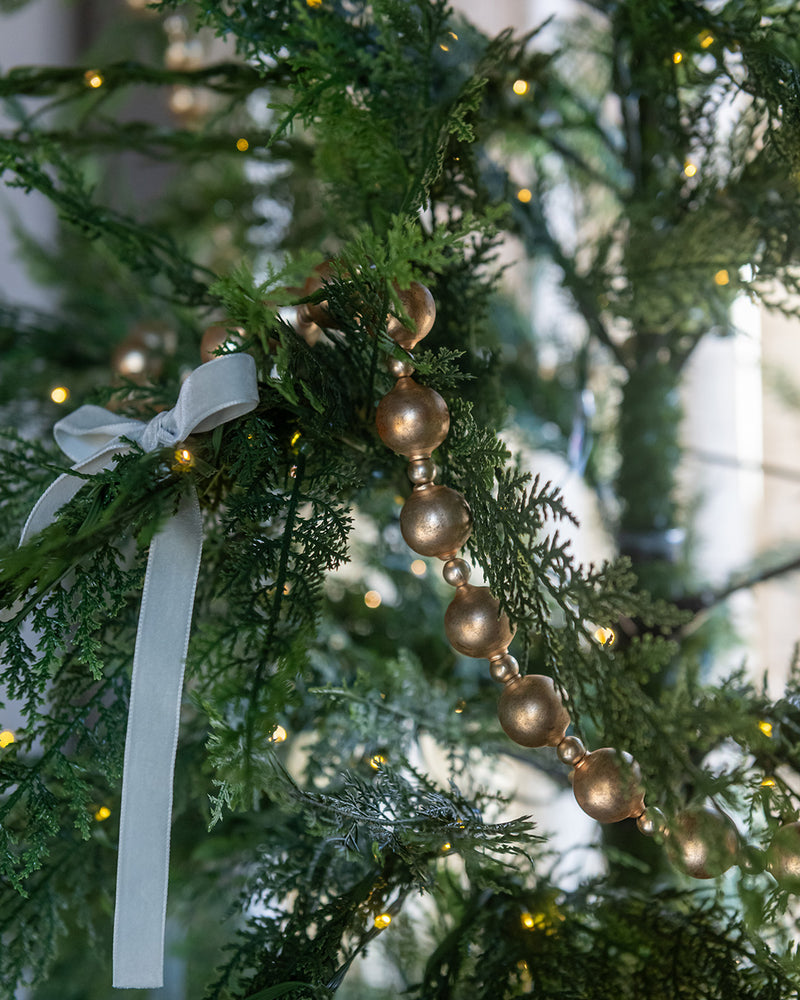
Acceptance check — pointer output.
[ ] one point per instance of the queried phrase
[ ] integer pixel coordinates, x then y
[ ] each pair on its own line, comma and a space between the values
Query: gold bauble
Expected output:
783, 857
702, 842
217, 336
317, 312
412, 419
531, 712
607, 785
307, 328
140, 356
435, 521
473, 623
420, 307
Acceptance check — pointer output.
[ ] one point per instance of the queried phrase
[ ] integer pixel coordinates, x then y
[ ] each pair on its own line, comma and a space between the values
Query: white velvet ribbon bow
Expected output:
218, 391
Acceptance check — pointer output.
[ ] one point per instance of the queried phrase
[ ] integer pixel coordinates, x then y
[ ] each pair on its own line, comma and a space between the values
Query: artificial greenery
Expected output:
397, 140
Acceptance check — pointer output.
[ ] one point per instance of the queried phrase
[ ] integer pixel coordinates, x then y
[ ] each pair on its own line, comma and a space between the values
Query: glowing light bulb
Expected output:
184, 459
520, 87
102, 813
722, 277
382, 920
372, 599
6, 739
460, 706
689, 169
242, 145
279, 734
677, 57
314, 3
376, 761
453, 35
768, 783
446, 847
419, 567
527, 921
524, 195
295, 438
132, 363
706, 39
93, 79
60, 394
444, 48
766, 728
605, 636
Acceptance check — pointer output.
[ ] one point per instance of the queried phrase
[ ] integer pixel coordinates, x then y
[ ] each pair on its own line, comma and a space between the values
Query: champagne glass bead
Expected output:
435, 521
473, 623
412, 419
607, 785
419, 305
702, 842
532, 713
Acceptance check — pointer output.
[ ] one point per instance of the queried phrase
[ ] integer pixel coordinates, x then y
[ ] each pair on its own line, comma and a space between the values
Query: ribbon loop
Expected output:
218, 391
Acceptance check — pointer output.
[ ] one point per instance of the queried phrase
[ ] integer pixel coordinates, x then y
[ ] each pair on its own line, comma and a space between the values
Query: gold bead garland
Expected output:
435, 520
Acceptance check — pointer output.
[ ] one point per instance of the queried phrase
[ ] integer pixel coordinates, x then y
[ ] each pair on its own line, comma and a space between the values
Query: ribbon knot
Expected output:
159, 432
213, 394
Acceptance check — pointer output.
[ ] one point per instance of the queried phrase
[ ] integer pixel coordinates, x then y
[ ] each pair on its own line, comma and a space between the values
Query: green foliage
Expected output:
392, 116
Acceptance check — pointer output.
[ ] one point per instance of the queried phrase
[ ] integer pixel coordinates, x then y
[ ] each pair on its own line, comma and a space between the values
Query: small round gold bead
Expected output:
456, 572
607, 786
421, 308
503, 669
400, 367
531, 712
435, 521
412, 419
652, 822
571, 751
421, 470
473, 623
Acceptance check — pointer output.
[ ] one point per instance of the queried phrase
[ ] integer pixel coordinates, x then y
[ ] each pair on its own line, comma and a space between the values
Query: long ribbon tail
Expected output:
150, 746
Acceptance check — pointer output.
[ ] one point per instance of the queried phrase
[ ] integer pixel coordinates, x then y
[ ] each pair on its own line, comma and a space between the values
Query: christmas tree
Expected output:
290, 358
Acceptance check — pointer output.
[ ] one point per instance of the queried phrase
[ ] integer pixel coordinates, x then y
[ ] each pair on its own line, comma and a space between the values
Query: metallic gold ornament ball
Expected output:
531, 712
473, 623
217, 336
607, 785
783, 857
412, 419
421, 308
652, 822
702, 842
435, 521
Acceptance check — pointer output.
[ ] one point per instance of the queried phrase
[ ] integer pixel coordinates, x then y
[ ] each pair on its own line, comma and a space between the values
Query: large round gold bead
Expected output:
412, 419
473, 623
435, 521
702, 842
218, 336
783, 857
607, 785
531, 712
420, 307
